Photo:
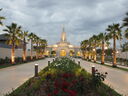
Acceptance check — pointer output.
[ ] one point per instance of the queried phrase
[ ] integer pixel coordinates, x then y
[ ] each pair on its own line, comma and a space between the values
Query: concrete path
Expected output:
120, 66
12, 77
116, 79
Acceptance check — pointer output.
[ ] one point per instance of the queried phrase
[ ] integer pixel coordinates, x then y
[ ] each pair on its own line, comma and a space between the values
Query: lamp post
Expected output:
78, 62
48, 63
93, 70
117, 52
36, 70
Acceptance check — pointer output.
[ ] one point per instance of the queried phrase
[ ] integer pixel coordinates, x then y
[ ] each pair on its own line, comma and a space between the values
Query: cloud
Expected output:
82, 18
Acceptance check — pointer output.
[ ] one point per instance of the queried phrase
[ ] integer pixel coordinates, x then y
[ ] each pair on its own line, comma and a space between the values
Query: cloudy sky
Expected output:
82, 18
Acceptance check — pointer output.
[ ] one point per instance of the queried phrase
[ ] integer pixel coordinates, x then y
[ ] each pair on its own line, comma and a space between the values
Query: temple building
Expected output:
63, 48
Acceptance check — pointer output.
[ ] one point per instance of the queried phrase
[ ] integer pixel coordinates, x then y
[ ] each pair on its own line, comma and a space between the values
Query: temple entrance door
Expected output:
62, 53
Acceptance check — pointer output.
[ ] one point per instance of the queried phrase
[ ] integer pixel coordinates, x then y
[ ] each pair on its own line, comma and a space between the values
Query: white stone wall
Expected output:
6, 52
122, 55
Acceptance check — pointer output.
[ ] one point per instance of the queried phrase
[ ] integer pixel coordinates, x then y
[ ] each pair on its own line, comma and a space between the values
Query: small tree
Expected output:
53, 53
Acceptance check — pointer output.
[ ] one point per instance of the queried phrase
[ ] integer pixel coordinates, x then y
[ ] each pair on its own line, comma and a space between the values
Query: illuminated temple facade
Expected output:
63, 48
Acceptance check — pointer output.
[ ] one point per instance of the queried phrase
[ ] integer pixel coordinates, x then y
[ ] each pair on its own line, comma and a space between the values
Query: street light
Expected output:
117, 52
93, 49
78, 62
93, 70
106, 48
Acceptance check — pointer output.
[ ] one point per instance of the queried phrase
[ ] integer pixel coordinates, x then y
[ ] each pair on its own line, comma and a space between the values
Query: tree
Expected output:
103, 37
94, 43
71, 52
1, 18
126, 33
42, 46
84, 45
24, 35
125, 21
125, 47
53, 52
115, 34
36, 47
89, 48
31, 37
13, 33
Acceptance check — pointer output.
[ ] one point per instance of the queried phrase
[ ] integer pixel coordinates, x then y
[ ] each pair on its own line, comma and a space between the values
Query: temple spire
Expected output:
63, 35
63, 28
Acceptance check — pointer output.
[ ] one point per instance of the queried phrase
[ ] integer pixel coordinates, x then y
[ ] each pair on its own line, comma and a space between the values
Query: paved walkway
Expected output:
121, 66
117, 79
12, 77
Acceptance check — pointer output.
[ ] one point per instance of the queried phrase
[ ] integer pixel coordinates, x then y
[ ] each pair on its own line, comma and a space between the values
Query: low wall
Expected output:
6, 52
123, 55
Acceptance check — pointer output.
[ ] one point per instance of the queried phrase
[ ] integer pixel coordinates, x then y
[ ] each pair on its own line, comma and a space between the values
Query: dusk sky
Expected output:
82, 18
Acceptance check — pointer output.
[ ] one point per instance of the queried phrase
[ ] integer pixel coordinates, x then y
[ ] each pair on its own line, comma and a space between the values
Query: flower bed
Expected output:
63, 77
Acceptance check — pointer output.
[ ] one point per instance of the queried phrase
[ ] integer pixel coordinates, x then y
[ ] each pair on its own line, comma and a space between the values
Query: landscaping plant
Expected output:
63, 77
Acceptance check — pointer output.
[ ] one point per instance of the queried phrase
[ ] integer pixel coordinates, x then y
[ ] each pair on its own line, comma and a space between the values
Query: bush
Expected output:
18, 60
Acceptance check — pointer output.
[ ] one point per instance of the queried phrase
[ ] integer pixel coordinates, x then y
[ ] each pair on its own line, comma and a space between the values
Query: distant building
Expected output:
5, 49
3, 42
63, 48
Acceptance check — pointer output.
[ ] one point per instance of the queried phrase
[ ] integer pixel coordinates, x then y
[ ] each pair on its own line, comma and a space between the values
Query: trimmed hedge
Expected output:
18, 60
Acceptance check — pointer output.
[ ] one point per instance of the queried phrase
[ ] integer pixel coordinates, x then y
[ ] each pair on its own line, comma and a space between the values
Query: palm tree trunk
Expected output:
24, 52
114, 51
102, 57
89, 56
85, 55
95, 55
37, 55
31, 50
13, 54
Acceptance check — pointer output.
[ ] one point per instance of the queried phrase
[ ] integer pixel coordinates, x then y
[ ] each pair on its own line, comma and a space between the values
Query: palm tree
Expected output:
1, 18
36, 47
89, 48
31, 37
24, 35
114, 33
95, 43
125, 21
13, 32
84, 45
103, 37
71, 52
126, 33
42, 46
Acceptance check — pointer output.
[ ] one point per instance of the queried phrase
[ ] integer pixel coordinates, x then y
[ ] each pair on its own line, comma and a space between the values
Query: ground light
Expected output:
36, 70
